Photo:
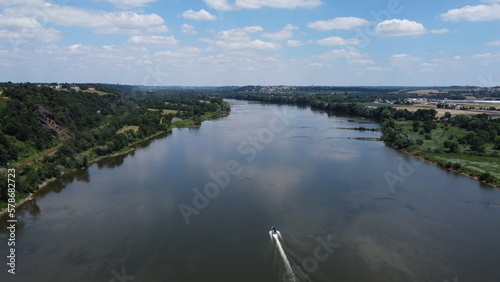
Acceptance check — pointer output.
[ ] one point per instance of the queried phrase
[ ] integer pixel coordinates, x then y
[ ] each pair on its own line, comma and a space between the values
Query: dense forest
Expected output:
80, 126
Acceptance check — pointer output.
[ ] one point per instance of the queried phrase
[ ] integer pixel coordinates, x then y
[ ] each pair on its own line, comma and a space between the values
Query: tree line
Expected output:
83, 125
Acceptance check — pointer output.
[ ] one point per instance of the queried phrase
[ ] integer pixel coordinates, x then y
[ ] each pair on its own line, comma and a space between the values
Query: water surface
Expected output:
348, 210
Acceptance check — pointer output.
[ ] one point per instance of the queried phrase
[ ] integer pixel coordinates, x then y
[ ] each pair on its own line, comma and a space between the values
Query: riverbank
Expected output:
186, 123
432, 147
430, 161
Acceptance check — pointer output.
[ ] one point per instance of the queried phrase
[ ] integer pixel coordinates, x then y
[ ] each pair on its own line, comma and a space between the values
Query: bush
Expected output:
429, 126
453, 146
441, 163
486, 177
58, 170
102, 150
81, 161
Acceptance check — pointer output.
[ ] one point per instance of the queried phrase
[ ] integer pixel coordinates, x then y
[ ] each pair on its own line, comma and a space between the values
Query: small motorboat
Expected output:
273, 230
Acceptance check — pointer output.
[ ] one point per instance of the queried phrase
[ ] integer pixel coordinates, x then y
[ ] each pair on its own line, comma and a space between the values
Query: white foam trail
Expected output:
285, 259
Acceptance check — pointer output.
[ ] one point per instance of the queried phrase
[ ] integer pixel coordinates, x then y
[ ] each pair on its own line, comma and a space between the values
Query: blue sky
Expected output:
258, 42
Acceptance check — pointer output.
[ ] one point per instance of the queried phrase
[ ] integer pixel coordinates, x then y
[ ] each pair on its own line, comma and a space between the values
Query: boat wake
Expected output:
276, 236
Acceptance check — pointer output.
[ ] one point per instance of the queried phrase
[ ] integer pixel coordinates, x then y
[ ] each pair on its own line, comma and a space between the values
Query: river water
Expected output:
197, 205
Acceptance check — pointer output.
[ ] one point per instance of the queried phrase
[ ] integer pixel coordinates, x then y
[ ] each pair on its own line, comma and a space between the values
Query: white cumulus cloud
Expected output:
223, 5
474, 13
201, 15
341, 53
439, 31
239, 38
403, 61
219, 5
396, 27
153, 40
126, 4
188, 29
285, 33
294, 43
376, 69
338, 23
338, 41
118, 22
7, 3
26, 30
289, 4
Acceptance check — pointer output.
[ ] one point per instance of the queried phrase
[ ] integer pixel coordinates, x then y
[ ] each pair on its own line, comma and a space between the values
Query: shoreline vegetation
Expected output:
71, 129
61, 131
465, 144
450, 169
25, 198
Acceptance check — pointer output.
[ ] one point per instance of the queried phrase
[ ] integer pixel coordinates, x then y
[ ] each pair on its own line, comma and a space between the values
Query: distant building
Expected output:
75, 88
91, 89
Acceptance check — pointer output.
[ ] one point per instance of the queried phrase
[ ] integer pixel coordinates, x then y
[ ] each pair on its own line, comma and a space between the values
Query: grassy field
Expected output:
100, 93
177, 122
135, 128
464, 161
472, 165
438, 135
441, 112
165, 112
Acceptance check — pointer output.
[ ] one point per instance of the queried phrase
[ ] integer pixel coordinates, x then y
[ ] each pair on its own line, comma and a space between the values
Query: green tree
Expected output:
477, 144
416, 126
428, 126
451, 145
497, 143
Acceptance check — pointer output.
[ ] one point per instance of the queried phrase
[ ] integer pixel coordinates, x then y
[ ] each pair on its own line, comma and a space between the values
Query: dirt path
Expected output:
39, 157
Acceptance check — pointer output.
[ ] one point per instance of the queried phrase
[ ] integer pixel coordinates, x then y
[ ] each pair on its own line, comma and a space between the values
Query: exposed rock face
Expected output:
47, 119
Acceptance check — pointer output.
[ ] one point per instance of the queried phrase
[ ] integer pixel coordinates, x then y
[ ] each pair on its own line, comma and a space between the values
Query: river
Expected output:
197, 205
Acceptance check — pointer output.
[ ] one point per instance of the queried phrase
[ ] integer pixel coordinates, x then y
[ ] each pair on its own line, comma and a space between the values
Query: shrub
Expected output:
102, 150
486, 177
